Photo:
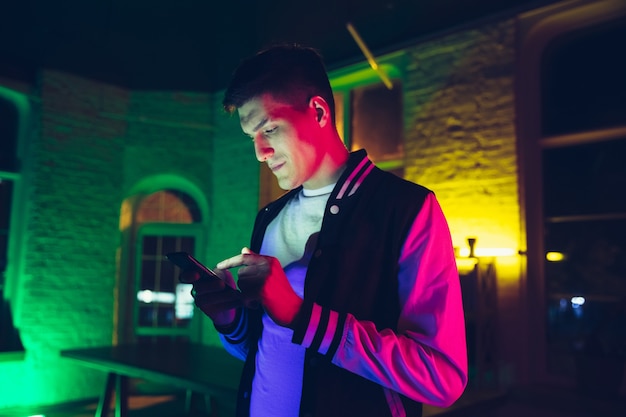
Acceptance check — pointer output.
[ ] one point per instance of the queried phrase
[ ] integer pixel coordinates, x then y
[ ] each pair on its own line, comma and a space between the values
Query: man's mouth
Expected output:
276, 167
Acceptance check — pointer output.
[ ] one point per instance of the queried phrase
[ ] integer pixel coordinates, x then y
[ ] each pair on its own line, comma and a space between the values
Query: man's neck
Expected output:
331, 168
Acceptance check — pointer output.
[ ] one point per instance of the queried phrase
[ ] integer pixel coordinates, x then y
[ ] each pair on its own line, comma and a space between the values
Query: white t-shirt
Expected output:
291, 237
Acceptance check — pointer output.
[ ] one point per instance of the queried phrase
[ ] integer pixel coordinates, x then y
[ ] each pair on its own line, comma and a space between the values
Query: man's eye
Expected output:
270, 131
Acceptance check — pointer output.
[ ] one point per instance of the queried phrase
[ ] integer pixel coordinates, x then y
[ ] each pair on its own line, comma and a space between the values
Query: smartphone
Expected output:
188, 263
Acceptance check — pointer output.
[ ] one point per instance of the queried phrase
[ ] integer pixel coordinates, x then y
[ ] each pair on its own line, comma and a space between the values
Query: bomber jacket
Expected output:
377, 345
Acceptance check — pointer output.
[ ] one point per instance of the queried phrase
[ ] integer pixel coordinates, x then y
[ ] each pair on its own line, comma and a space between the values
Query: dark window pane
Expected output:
585, 179
163, 301
10, 340
170, 244
169, 275
583, 82
586, 292
6, 190
165, 316
148, 276
169, 271
377, 124
147, 315
584, 327
150, 245
157, 315
8, 135
594, 258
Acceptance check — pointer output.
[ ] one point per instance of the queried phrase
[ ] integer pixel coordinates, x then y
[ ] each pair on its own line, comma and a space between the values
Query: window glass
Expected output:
8, 136
585, 242
586, 305
585, 179
164, 303
584, 86
584, 203
6, 189
376, 122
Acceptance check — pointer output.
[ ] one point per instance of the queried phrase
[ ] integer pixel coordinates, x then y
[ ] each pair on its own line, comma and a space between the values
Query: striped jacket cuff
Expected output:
235, 332
319, 328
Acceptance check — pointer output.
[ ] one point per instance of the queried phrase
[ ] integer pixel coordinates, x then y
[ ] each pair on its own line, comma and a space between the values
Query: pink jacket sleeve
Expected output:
426, 358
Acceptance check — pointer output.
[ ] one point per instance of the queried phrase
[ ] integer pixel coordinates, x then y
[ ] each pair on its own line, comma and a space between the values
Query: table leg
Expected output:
121, 396
210, 405
188, 401
104, 403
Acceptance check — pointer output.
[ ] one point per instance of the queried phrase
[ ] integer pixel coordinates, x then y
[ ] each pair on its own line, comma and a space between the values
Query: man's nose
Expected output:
262, 149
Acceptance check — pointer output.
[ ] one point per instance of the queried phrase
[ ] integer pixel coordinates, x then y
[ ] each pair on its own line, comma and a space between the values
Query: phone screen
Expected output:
188, 263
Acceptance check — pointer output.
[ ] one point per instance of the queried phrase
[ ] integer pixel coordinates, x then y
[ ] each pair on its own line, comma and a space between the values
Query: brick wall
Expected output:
460, 127
73, 193
461, 143
93, 144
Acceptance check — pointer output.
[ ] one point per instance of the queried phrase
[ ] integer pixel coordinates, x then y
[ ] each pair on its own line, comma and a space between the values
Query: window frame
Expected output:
17, 213
193, 230
126, 303
537, 28
346, 79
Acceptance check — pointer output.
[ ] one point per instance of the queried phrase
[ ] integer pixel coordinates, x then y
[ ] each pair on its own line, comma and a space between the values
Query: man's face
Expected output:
285, 138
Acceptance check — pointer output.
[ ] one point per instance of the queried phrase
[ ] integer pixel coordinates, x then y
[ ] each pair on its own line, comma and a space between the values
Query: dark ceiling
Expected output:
195, 44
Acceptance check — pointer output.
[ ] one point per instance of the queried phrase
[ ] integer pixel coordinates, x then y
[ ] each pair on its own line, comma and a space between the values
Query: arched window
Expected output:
165, 221
168, 206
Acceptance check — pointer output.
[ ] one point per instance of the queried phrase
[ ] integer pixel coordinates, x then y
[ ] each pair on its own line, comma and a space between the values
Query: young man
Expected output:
352, 303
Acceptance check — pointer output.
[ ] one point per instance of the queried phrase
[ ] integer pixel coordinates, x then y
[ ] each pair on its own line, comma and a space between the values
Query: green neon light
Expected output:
347, 79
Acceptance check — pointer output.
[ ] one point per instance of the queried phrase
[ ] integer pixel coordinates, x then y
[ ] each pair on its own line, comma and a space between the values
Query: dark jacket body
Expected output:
354, 270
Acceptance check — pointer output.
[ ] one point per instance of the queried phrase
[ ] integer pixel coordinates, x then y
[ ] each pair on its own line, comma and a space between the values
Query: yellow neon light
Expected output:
465, 264
555, 256
486, 252
369, 56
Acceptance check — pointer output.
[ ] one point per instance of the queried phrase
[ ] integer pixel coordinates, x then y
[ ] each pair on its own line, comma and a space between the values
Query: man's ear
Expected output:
322, 111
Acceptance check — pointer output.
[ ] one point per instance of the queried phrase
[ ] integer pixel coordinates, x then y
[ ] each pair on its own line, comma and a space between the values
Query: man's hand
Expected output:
211, 296
262, 279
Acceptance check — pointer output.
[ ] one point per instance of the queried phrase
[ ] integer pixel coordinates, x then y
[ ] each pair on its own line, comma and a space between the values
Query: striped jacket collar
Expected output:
358, 168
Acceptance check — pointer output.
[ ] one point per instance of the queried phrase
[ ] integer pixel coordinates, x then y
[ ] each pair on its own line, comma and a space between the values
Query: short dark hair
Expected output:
289, 72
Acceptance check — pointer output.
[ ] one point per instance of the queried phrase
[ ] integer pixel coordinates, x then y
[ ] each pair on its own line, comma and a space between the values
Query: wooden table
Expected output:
197, 368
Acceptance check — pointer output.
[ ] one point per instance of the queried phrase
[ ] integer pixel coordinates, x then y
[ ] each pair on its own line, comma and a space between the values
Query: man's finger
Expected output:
247, 258
237, 260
